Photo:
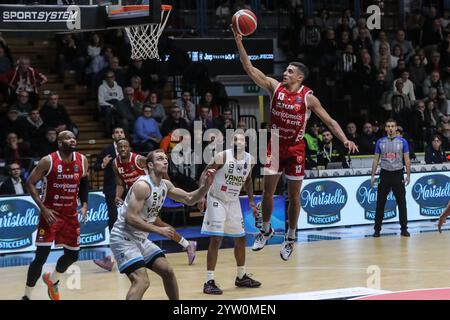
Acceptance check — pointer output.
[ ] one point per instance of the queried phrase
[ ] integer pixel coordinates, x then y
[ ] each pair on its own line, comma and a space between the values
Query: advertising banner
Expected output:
19, 217
347, 201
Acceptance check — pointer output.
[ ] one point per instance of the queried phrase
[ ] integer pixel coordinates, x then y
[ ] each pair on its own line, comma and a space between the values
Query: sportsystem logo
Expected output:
70, 15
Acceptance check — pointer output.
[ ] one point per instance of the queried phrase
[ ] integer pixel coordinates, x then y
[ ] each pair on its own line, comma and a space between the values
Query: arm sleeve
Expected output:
84, 190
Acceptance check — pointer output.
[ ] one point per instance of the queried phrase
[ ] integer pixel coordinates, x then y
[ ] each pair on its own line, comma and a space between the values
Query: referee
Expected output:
392, 150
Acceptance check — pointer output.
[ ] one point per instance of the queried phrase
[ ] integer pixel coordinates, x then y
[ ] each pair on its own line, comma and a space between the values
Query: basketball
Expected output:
244, 22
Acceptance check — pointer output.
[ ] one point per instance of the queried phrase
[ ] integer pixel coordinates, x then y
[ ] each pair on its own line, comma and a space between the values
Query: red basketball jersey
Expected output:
129, 171
289, 113
60, 190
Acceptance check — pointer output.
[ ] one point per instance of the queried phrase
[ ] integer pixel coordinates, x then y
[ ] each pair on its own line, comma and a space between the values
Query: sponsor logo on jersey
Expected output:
76, 168
224, 188
432, 193
366, 195
323, 202
18, 220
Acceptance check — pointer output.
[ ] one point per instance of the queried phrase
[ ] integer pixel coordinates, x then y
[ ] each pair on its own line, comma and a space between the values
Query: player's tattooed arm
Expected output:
191, 198
139, 193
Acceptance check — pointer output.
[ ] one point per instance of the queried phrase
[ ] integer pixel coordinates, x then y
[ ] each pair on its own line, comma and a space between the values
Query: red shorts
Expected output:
290, 160
65, 232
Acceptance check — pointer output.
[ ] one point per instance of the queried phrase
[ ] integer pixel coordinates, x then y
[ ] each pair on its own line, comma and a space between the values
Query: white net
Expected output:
144, 38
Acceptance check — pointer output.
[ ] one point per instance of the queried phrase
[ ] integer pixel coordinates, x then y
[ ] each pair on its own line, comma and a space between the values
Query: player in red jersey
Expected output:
128, 167
291, 105
64, 174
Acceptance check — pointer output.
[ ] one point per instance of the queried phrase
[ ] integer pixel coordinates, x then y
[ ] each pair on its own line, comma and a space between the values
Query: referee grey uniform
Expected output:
391, 151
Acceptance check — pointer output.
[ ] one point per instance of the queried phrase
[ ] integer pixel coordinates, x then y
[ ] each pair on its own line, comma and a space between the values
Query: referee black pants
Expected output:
391, 180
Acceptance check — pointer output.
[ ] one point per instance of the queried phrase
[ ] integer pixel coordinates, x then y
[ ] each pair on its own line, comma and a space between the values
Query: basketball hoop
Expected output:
144, 38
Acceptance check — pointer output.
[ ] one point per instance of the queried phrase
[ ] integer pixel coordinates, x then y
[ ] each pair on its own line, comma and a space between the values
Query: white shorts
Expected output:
223, 219
129, 252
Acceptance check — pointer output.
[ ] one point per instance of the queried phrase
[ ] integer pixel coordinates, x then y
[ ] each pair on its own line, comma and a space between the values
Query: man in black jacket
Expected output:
104, 162
13, 185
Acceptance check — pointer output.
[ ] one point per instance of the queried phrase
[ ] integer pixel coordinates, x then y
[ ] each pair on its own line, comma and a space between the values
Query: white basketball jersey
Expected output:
231, 177
148, 213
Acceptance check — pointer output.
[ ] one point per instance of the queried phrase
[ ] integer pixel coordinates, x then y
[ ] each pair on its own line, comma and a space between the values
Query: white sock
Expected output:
209, 275
55, 276
28, 291
240, 272
291, 233
183, 242
266, 227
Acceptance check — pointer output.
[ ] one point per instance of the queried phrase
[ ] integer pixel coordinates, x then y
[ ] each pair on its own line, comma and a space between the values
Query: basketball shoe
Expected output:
286, 248
261, 239
52, 288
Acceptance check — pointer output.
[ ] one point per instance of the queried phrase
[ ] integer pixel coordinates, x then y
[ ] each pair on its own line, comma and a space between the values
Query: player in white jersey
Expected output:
129, 236
223, 216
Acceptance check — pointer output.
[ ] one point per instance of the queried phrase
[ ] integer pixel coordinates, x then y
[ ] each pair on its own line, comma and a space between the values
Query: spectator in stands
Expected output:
223, 14
367, 140
435, 63
347, 14
384, 68
382, 39
309, 39
22, 104
445, 132
434, 153
417, 74
14, 185
6, 49
418, 124
241, 125
137, 69
312, 138
97, 64
439, 99
351, 132
139, 94
5, 63
405, 45
433, 81
55, 115
408, 86
118, 39
35, 128
12, 123
414, 27
344, 25
186, 106
364, 41
49, 145
173, 121
14, 150
433, 119
205, 118
361, 27
344, 40
432, 36
70, 56
225, 121
158, 110
109, 94
323, 21
398, 103
345, 64
445, 20
114, 66
25, 78
146, 132
386, 54
208, 102
401, 66
95, 46
328, 54
364, 75
155, 75
378, 93
329, 151
445, 56
128, 110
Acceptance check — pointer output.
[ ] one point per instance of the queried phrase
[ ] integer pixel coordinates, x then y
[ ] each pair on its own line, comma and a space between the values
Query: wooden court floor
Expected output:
422, 261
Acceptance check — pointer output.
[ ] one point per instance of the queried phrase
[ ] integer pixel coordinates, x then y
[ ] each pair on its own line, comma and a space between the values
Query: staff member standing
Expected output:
392, 150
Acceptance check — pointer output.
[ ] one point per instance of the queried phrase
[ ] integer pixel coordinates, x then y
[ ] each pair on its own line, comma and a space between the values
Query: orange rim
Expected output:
142, 7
